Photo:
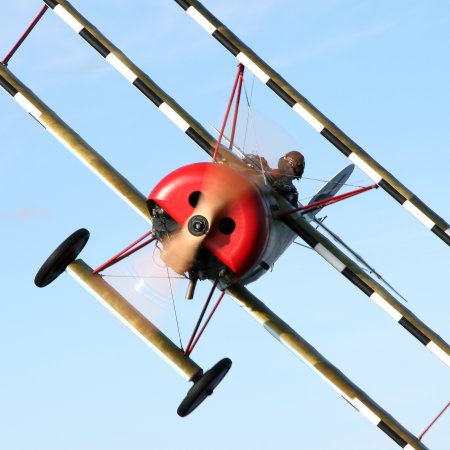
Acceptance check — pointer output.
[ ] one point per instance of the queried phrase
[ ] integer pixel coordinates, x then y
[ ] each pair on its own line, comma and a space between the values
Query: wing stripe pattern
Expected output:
21, 99
9, 88
71, 140
405, 323
92, 41
316, 119
358, 282
392, 434
380, 296
336, 142
68, 18
151, 95
226, 42
324, 369
133, 74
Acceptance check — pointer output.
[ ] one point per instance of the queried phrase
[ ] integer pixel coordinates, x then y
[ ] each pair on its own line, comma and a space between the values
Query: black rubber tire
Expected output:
204, 387
65, 254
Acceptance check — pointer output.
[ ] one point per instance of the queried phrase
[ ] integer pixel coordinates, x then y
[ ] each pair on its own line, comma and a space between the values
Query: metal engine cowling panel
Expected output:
246, 210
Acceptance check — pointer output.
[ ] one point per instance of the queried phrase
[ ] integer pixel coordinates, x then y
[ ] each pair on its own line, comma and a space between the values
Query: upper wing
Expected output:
133, 74
317, 120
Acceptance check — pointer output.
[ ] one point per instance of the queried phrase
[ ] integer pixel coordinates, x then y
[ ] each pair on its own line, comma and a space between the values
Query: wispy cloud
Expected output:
25, 214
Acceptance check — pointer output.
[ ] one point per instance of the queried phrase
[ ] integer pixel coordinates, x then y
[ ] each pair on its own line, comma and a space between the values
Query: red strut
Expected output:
24, 36
236, 106
206, 322
190, 345
239, 79
327, 201
433, 422
126, 252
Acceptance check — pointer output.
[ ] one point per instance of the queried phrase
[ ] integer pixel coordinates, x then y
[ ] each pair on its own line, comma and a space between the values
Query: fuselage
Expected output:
245, 236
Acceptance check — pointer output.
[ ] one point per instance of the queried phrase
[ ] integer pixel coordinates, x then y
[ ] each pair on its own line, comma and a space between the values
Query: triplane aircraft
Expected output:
229, 220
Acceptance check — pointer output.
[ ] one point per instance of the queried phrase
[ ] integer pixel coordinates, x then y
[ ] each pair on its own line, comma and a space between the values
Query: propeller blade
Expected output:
180, 250
219, 189
316, 119
133, 319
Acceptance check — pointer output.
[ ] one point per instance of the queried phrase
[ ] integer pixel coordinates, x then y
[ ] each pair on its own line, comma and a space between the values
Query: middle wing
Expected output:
377, 293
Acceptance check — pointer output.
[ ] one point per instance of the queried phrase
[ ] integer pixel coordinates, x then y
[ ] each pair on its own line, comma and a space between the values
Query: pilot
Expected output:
290, 167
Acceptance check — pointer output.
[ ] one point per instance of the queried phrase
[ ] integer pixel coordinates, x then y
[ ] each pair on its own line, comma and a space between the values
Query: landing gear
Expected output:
204, 387
65, 254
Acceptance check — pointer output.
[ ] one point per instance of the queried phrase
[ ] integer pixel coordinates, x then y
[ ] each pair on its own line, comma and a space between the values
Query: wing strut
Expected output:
24, 36
316, 119
281, 331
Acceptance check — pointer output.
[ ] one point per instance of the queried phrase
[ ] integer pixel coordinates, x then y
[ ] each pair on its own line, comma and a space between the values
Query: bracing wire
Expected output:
174, 309
303, 245
249, 102
144, 276
250, 120
173, 303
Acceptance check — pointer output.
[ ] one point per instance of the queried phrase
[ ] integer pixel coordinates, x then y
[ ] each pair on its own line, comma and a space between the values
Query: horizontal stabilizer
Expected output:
331, 188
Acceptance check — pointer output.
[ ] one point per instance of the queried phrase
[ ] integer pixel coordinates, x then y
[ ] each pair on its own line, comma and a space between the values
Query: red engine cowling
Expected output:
239, 235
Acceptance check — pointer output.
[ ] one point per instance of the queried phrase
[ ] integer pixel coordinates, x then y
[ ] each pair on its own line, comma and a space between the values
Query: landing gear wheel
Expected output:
204, 387
65, 254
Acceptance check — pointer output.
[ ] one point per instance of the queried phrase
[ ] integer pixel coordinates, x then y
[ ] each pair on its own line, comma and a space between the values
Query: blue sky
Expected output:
73, 377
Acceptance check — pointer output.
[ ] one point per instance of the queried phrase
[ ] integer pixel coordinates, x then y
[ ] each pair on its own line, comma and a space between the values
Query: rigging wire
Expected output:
173, 302
303, 245
174, 309
249, 102
251, 120
328, 181
144, 276
320, 180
